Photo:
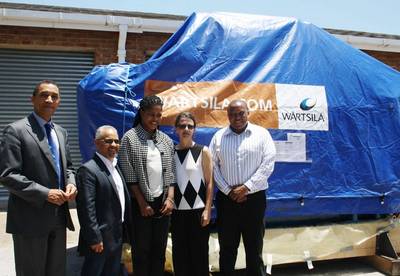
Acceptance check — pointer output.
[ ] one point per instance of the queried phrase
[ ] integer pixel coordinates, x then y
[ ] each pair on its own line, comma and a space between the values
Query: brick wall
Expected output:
138, 46
104, 45
391, 59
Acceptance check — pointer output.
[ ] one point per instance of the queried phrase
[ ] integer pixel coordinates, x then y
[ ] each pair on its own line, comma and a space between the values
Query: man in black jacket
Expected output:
103, 206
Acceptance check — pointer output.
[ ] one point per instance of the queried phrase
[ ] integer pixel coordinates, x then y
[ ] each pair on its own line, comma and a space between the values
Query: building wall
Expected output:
391, 59
104, 45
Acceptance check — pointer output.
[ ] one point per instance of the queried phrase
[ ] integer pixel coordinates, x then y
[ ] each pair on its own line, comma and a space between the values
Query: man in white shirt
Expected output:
103, 207
243, 157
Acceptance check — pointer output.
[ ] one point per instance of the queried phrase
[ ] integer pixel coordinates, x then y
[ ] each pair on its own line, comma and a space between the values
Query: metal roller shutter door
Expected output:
21, 70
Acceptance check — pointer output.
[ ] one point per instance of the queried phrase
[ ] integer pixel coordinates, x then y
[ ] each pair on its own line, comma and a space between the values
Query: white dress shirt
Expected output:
111, 166
246, 158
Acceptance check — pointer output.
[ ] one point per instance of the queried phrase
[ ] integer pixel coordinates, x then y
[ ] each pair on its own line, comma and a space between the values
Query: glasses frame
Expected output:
111, 141
184, 126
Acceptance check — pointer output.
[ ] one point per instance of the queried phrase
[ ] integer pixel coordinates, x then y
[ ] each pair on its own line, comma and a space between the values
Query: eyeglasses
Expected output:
110, 141
185, 126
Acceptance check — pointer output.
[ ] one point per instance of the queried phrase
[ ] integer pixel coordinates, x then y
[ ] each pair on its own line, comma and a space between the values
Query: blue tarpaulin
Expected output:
332, 110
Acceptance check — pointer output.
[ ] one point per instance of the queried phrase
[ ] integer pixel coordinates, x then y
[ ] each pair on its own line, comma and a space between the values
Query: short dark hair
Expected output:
238, 102
146, 103
187, 115
36, 90
150, 101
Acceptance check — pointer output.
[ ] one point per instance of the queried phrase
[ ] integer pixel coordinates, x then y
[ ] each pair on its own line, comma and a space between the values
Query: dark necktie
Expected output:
54, 152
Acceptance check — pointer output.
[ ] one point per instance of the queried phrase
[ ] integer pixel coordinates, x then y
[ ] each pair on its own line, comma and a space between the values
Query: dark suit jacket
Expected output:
28, 171
99, 208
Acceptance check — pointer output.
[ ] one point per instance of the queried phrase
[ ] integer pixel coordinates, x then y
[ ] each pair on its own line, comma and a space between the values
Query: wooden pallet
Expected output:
386, 258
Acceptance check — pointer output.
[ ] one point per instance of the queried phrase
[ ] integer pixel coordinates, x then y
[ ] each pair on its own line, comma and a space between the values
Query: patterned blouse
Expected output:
132, 157
190, 192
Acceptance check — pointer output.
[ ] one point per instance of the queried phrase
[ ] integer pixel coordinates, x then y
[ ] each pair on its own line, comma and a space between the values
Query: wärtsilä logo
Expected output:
307, 104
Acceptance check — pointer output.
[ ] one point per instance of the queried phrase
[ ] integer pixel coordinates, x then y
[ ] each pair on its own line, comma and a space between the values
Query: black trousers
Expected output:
189, 243
236, 219
41, 256
105, 263
149, 242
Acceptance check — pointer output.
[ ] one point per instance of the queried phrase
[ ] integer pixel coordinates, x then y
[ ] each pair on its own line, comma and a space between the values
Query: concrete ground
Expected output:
347, 267
74, 262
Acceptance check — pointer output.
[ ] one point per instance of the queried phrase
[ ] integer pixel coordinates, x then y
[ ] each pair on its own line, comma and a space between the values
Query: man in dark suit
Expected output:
36, 168
103, 207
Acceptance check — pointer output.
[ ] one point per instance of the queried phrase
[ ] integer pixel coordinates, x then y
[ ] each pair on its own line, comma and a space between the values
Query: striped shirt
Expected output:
132, 157
247, 158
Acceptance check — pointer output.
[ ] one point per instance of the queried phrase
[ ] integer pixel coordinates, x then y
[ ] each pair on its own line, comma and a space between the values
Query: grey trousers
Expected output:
41, 256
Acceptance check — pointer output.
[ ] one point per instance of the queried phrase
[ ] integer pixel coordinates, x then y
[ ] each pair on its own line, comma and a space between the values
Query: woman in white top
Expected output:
146, 160
193, 200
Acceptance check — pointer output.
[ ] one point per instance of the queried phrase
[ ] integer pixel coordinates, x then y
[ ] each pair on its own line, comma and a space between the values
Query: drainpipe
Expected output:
123, 31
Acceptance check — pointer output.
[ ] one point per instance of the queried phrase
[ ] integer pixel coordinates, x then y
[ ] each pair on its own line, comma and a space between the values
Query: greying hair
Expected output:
100, 130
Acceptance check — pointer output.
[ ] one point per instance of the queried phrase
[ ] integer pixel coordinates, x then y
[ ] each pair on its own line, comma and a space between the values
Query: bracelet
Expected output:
170, 200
